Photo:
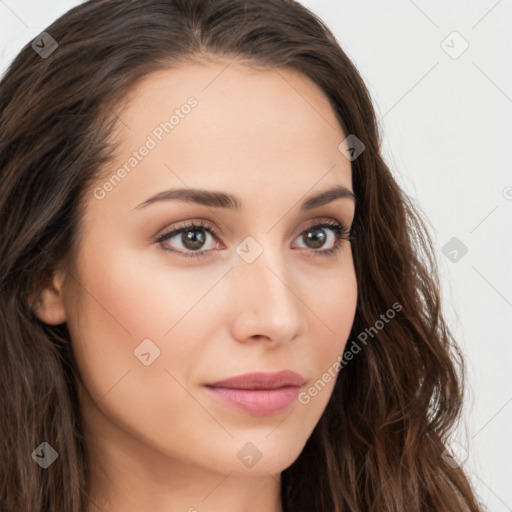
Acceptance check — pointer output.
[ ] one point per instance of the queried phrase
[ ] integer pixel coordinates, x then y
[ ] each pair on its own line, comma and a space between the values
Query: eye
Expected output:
193, 236
316, 236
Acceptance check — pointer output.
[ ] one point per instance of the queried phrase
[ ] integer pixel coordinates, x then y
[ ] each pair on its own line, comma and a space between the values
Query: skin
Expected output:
156, 440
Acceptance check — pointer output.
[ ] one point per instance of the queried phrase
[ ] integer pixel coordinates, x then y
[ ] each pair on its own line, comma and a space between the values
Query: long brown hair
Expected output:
380, 444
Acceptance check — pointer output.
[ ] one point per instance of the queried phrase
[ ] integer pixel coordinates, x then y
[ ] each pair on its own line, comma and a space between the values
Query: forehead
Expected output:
226, 125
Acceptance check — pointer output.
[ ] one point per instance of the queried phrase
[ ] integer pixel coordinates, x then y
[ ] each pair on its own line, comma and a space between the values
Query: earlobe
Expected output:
49, 307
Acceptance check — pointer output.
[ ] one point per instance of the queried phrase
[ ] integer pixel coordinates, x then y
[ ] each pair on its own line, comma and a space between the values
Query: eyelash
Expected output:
341, 233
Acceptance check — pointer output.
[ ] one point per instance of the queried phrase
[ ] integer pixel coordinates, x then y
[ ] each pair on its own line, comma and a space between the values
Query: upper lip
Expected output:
261, 380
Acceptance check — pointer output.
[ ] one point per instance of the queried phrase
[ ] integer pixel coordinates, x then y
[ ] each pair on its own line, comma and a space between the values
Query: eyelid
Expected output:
203, 223
323, 220
188, 224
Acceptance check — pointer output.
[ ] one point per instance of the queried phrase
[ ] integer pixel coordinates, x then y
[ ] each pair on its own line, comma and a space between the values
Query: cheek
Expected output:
125, 305
132, 306
332, 303
332, 308
133, 295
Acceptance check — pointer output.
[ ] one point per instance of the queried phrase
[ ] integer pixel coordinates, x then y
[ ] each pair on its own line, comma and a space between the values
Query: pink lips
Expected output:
260, 392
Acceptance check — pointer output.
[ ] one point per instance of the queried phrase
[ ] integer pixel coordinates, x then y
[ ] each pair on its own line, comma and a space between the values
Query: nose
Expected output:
269, 304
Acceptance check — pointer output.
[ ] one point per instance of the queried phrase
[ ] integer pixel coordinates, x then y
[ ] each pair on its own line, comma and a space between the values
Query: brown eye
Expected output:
192, 238
316, 236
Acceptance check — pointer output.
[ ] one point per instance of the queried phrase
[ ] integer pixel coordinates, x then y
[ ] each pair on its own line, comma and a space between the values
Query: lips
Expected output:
258, 393
261, 380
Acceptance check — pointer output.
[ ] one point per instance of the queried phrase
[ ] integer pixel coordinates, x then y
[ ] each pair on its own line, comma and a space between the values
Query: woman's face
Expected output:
153, 324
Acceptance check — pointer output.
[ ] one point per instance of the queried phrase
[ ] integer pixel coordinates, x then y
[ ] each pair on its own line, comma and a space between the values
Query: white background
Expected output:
446, 125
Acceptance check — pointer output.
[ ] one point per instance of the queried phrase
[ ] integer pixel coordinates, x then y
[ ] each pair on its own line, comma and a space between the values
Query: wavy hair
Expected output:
380, 443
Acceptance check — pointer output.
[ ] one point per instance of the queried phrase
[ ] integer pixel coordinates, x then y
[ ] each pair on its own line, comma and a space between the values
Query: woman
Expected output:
214, 295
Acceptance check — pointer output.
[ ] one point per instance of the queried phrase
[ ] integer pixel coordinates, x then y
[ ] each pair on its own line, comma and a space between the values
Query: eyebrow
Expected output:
223, 200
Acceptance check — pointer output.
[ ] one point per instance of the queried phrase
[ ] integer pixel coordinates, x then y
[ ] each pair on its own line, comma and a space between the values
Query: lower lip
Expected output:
258, 401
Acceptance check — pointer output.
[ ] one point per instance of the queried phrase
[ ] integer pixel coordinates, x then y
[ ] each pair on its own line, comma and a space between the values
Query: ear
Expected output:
49, 305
